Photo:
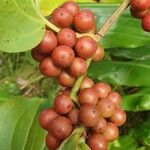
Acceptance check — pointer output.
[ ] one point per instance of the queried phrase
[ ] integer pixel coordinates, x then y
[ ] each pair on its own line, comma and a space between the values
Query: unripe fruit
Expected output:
48, 68
60, 128
84, 21
119, 117
146, 23
100, 125
61, 17
48, 43
63, 104
78, 67
74, 116
63, 56
103, 89
65, 79
72, 7
85, 47
46, 117
88, 115
99, 54
86, 83
97, 142
51, 142
111, 132
66, 37
88, 96
106, 108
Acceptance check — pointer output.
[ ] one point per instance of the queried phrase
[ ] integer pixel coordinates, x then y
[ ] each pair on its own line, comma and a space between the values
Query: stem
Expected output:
98, 36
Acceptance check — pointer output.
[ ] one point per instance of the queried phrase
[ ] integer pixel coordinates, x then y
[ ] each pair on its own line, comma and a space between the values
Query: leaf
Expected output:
110, 1
21, 27
123, 143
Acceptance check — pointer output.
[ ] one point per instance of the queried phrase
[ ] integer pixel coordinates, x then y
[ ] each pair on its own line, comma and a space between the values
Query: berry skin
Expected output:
85, 47
63, 56
146, 23
74, 116
99, 54
65, 91
86, 83
51, 142
88, 96
88, 115
48, 43
65, 79
62, 18
111, 132
78, 67
60, 128
72, 7
84, 21
63, 104
66, 37
46, 117
48, 68
97, 142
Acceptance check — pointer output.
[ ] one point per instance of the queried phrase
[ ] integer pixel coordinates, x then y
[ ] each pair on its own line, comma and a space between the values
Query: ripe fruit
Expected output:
84, 21
88, 96
66, 37
99, 54
46, 117
97, 142
74, 116
48, 68
51, 142
103, 89
100, 125
72, 7
63, 104
119, 117
85, 47
106, 108
48, 43
78, 67
146, 23
88, 115
63, 56
65, 91
60, 128
62, 18
111, 132
86, 83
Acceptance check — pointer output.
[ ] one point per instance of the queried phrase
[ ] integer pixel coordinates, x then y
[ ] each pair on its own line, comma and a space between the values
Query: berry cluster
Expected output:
140, 9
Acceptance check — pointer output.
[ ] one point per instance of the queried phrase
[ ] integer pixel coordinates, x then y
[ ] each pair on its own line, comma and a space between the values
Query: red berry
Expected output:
65, 91
48, 68
74, 116
99, 54
63, 56
48, 43
85, 47
86, 83
146, 23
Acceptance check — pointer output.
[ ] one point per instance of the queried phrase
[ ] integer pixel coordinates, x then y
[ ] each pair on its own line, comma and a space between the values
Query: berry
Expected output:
84, 21
74, 116
88, 115
51, 142
119, 117
48, 68
63, 56
103, 89
85, 47
65, 79
111, 132
86, 83
72, 7
66, 37
63, 104
46, 117
106, 108
97, 142
62, 18
60, 128
48, 43
66, 91
88, 96
146, 23
78, 67
99, 54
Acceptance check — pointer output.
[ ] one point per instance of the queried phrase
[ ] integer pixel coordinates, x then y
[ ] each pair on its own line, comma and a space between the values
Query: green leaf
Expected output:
21, 27
124, 143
